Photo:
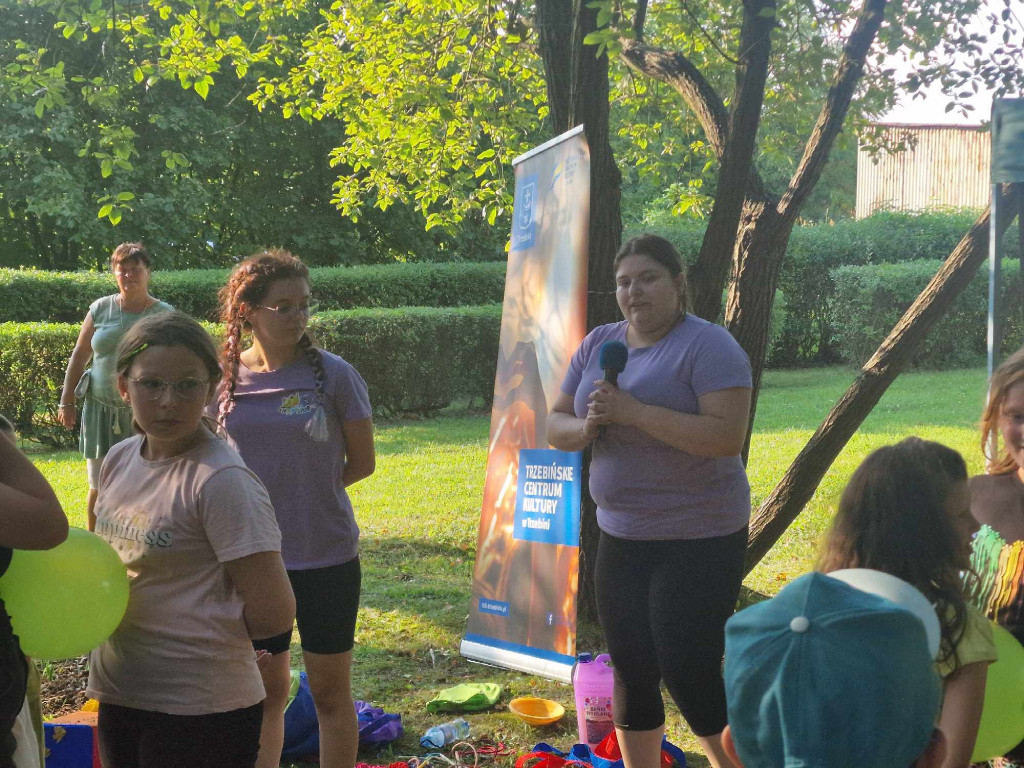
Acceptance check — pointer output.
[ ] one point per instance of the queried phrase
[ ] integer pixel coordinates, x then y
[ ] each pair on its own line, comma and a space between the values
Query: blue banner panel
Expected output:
548, 497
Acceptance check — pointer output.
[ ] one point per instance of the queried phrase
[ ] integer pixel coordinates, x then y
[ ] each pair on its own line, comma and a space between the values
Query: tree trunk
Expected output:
577, 84
760, 247
801, 479
708, 273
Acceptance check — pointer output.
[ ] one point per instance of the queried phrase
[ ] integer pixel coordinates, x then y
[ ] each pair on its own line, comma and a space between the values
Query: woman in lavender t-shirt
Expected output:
672, 497
300, 418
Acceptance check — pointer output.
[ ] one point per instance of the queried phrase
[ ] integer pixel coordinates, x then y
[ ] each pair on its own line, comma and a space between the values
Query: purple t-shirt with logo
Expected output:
268, 428
644, 488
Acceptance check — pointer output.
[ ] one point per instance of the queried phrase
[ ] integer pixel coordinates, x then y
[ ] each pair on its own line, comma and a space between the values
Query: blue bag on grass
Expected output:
302, 731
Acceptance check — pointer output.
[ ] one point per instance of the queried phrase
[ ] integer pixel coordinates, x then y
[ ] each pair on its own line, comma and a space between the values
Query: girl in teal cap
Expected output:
907, 511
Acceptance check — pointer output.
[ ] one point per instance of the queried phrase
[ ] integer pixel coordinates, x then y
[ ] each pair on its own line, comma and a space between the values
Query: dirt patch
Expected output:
63, 685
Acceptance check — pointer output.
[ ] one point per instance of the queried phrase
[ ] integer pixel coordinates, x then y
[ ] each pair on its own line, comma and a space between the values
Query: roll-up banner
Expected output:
523, 610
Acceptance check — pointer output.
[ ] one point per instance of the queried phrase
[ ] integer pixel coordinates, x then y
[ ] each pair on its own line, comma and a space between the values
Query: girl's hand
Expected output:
66, 416
611, 405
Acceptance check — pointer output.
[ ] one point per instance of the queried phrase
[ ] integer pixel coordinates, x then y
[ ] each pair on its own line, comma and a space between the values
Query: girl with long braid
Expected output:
300, 417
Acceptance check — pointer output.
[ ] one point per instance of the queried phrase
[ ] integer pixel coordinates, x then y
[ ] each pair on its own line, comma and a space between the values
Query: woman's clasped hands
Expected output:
610, 405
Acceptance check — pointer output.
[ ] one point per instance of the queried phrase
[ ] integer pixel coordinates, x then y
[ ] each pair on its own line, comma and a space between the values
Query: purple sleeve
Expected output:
577, 364
352, 400
720, 362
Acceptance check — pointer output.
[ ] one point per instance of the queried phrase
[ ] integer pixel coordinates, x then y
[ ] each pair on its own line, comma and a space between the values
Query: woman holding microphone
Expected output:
673, 502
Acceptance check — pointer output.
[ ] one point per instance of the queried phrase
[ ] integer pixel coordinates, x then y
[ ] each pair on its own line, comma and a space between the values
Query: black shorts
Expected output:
326, 606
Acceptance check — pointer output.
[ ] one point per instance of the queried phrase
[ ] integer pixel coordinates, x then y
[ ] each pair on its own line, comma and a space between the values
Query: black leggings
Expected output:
663, 607
138, 738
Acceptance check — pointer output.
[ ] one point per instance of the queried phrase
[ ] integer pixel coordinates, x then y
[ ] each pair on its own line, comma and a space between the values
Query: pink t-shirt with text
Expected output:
183, 647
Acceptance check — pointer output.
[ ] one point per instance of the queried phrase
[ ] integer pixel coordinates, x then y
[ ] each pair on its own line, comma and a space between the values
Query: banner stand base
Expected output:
522, 662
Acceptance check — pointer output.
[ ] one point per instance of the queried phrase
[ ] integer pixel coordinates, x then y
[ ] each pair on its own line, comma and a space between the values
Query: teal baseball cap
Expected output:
825, 675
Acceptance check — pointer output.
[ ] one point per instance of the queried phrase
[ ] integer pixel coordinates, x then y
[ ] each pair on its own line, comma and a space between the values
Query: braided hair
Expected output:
249, 283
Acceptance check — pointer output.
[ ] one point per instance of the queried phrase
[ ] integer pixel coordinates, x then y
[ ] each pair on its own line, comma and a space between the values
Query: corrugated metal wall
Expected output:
947, 168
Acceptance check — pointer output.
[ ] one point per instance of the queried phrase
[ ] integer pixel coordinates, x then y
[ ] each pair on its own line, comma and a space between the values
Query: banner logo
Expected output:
523, 226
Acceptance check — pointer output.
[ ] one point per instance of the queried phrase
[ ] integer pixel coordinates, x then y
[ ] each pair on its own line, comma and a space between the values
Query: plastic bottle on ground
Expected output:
593, 681
441, 736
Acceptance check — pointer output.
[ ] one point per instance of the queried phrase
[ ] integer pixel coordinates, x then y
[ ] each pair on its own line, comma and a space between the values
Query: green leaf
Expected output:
115, 217
202, 87
40, 107
106, 167
125, 196
105, 211
485, 154
138, 74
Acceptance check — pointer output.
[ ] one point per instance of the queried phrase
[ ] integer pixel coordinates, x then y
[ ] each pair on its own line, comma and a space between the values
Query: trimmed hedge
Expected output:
808, 331
417, 359
869, 300
413, 360
28, 295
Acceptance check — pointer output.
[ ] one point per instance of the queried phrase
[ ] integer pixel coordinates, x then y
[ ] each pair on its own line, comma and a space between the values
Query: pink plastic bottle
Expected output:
592, 683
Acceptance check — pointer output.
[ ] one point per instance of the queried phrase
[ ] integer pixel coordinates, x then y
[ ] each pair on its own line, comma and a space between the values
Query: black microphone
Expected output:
613, 360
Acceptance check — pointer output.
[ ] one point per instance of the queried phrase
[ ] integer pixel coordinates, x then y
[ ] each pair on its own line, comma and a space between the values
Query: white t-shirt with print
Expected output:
182, 647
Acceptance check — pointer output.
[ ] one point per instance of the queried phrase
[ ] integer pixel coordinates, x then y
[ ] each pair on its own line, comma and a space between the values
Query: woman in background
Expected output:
106, 420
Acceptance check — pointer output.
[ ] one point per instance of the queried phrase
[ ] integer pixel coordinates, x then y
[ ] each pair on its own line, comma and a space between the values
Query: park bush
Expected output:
808, 330
28, 295
414, 360
869, 300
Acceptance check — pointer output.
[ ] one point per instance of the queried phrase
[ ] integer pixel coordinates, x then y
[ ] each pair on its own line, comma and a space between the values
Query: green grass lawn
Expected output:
419, 512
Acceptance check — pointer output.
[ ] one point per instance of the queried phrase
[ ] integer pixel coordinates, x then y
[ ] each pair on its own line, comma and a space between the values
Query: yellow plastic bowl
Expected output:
535, 711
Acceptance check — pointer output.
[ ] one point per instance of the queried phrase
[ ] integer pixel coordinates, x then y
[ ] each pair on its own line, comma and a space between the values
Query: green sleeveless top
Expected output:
106, 419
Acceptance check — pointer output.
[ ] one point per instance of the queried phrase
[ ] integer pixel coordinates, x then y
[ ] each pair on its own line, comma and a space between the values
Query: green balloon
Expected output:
65, 601
1002, 716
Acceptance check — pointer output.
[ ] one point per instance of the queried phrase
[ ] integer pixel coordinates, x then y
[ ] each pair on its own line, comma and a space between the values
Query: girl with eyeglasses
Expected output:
300, 417
178, 682
106, 420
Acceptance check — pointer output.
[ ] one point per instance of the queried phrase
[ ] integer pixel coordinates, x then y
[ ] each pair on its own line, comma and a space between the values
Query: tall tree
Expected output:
750, 224
109, 109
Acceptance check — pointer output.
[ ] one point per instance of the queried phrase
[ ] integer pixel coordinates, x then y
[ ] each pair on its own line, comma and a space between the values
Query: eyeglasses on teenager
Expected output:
291, 310
153, 387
